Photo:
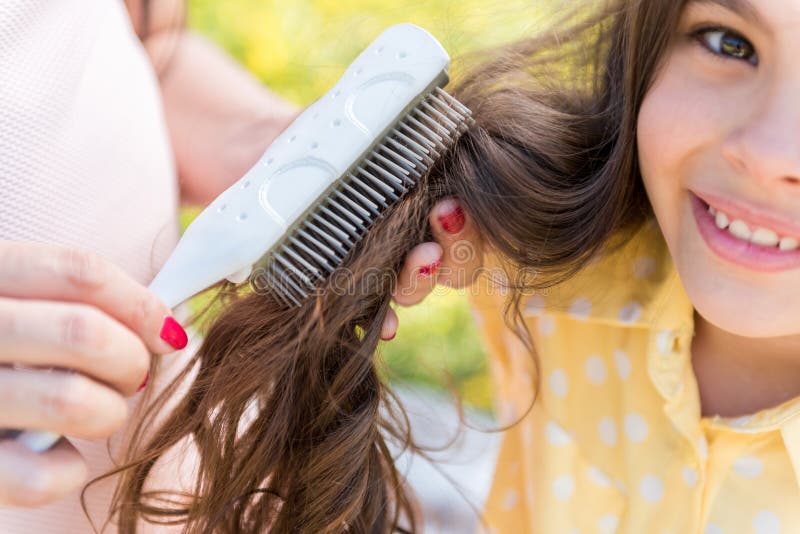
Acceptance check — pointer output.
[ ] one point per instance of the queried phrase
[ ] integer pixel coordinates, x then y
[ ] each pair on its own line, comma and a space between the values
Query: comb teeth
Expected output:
324, 238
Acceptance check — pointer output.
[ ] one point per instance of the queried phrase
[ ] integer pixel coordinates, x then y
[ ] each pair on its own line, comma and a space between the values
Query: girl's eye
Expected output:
730, 44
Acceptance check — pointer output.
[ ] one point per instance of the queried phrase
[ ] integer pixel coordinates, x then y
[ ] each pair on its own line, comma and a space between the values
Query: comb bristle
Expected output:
330, 231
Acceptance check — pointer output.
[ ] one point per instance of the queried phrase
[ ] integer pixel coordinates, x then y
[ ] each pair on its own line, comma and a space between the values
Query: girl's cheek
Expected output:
672, 143
681, 121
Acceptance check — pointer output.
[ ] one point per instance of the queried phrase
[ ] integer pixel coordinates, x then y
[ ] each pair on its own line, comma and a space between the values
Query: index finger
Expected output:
31, 270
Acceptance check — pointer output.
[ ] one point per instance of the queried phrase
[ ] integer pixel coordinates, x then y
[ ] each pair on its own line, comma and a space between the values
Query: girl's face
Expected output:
722, 123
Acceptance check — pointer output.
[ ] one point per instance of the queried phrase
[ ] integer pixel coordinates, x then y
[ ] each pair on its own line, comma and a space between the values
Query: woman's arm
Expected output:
220, 117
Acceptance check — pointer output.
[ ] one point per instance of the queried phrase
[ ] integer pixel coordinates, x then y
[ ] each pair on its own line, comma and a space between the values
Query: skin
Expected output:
731, 127
61, 307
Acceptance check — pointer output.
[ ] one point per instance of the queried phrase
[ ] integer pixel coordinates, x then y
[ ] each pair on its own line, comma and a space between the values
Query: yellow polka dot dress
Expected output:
615, 442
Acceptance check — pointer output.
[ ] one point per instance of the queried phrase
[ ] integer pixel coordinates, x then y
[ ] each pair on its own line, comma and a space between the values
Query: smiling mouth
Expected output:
745, 230
733, 249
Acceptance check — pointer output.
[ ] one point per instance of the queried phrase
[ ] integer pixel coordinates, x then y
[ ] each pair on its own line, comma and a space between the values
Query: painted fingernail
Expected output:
173, 333
453, 221
428, 270
146, 378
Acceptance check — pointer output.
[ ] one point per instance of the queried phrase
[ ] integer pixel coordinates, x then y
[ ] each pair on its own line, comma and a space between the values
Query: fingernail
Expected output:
453, 221
428, 270
173, 333
146, 378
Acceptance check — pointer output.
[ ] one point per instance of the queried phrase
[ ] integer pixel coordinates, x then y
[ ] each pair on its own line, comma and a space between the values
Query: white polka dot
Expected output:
510, 499
558, 383
608, 524
557, 435
608, 431
643, 267
596, 369
651, 488
580, 308
622, 363
534, 305
748, 466
702, 448
527, 433
713, 529
547, 325
630, 312
664, 342
766, 522
563, 487
741, 421
635, 427
529, 493
689, 476
598, 477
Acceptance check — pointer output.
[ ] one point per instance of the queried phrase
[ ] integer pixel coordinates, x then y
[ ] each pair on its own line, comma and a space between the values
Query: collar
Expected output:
648, 293
638, 286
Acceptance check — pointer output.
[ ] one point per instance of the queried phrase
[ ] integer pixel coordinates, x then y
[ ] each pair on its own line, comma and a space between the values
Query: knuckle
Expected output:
69, 403
82, 330
9, 324
82, 268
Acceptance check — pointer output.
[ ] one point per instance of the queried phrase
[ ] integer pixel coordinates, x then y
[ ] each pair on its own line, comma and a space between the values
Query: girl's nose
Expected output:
766, 145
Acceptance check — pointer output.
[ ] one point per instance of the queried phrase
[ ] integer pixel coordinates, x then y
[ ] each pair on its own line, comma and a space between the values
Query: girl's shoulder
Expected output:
629, 285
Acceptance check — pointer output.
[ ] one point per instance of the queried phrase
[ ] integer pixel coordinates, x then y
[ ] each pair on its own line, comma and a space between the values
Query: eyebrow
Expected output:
744, 8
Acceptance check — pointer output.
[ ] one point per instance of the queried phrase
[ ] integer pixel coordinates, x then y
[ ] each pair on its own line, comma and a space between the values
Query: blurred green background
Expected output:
299, 49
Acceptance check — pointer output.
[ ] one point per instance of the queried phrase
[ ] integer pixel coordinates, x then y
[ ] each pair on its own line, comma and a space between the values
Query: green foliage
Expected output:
299, 49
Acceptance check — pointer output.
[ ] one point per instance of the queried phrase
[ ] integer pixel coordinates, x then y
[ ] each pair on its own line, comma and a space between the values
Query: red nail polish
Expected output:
146, 378
453, 221
428, 270
173, 333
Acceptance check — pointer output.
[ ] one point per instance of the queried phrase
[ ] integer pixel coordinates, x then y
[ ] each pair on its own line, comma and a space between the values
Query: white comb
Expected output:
331, 173
320, 185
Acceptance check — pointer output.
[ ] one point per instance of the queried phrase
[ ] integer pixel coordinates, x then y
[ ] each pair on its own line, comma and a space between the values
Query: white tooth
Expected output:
712, 210
739, 229
765, 237
721, 220
788, 243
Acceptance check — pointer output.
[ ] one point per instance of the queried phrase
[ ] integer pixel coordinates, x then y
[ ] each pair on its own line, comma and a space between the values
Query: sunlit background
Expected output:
299, 49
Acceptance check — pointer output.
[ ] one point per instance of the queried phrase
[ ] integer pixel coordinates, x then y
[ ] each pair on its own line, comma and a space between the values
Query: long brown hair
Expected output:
289, 409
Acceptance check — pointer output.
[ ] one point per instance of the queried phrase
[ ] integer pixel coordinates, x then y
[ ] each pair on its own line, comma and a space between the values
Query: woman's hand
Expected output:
68, 309
453, 260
